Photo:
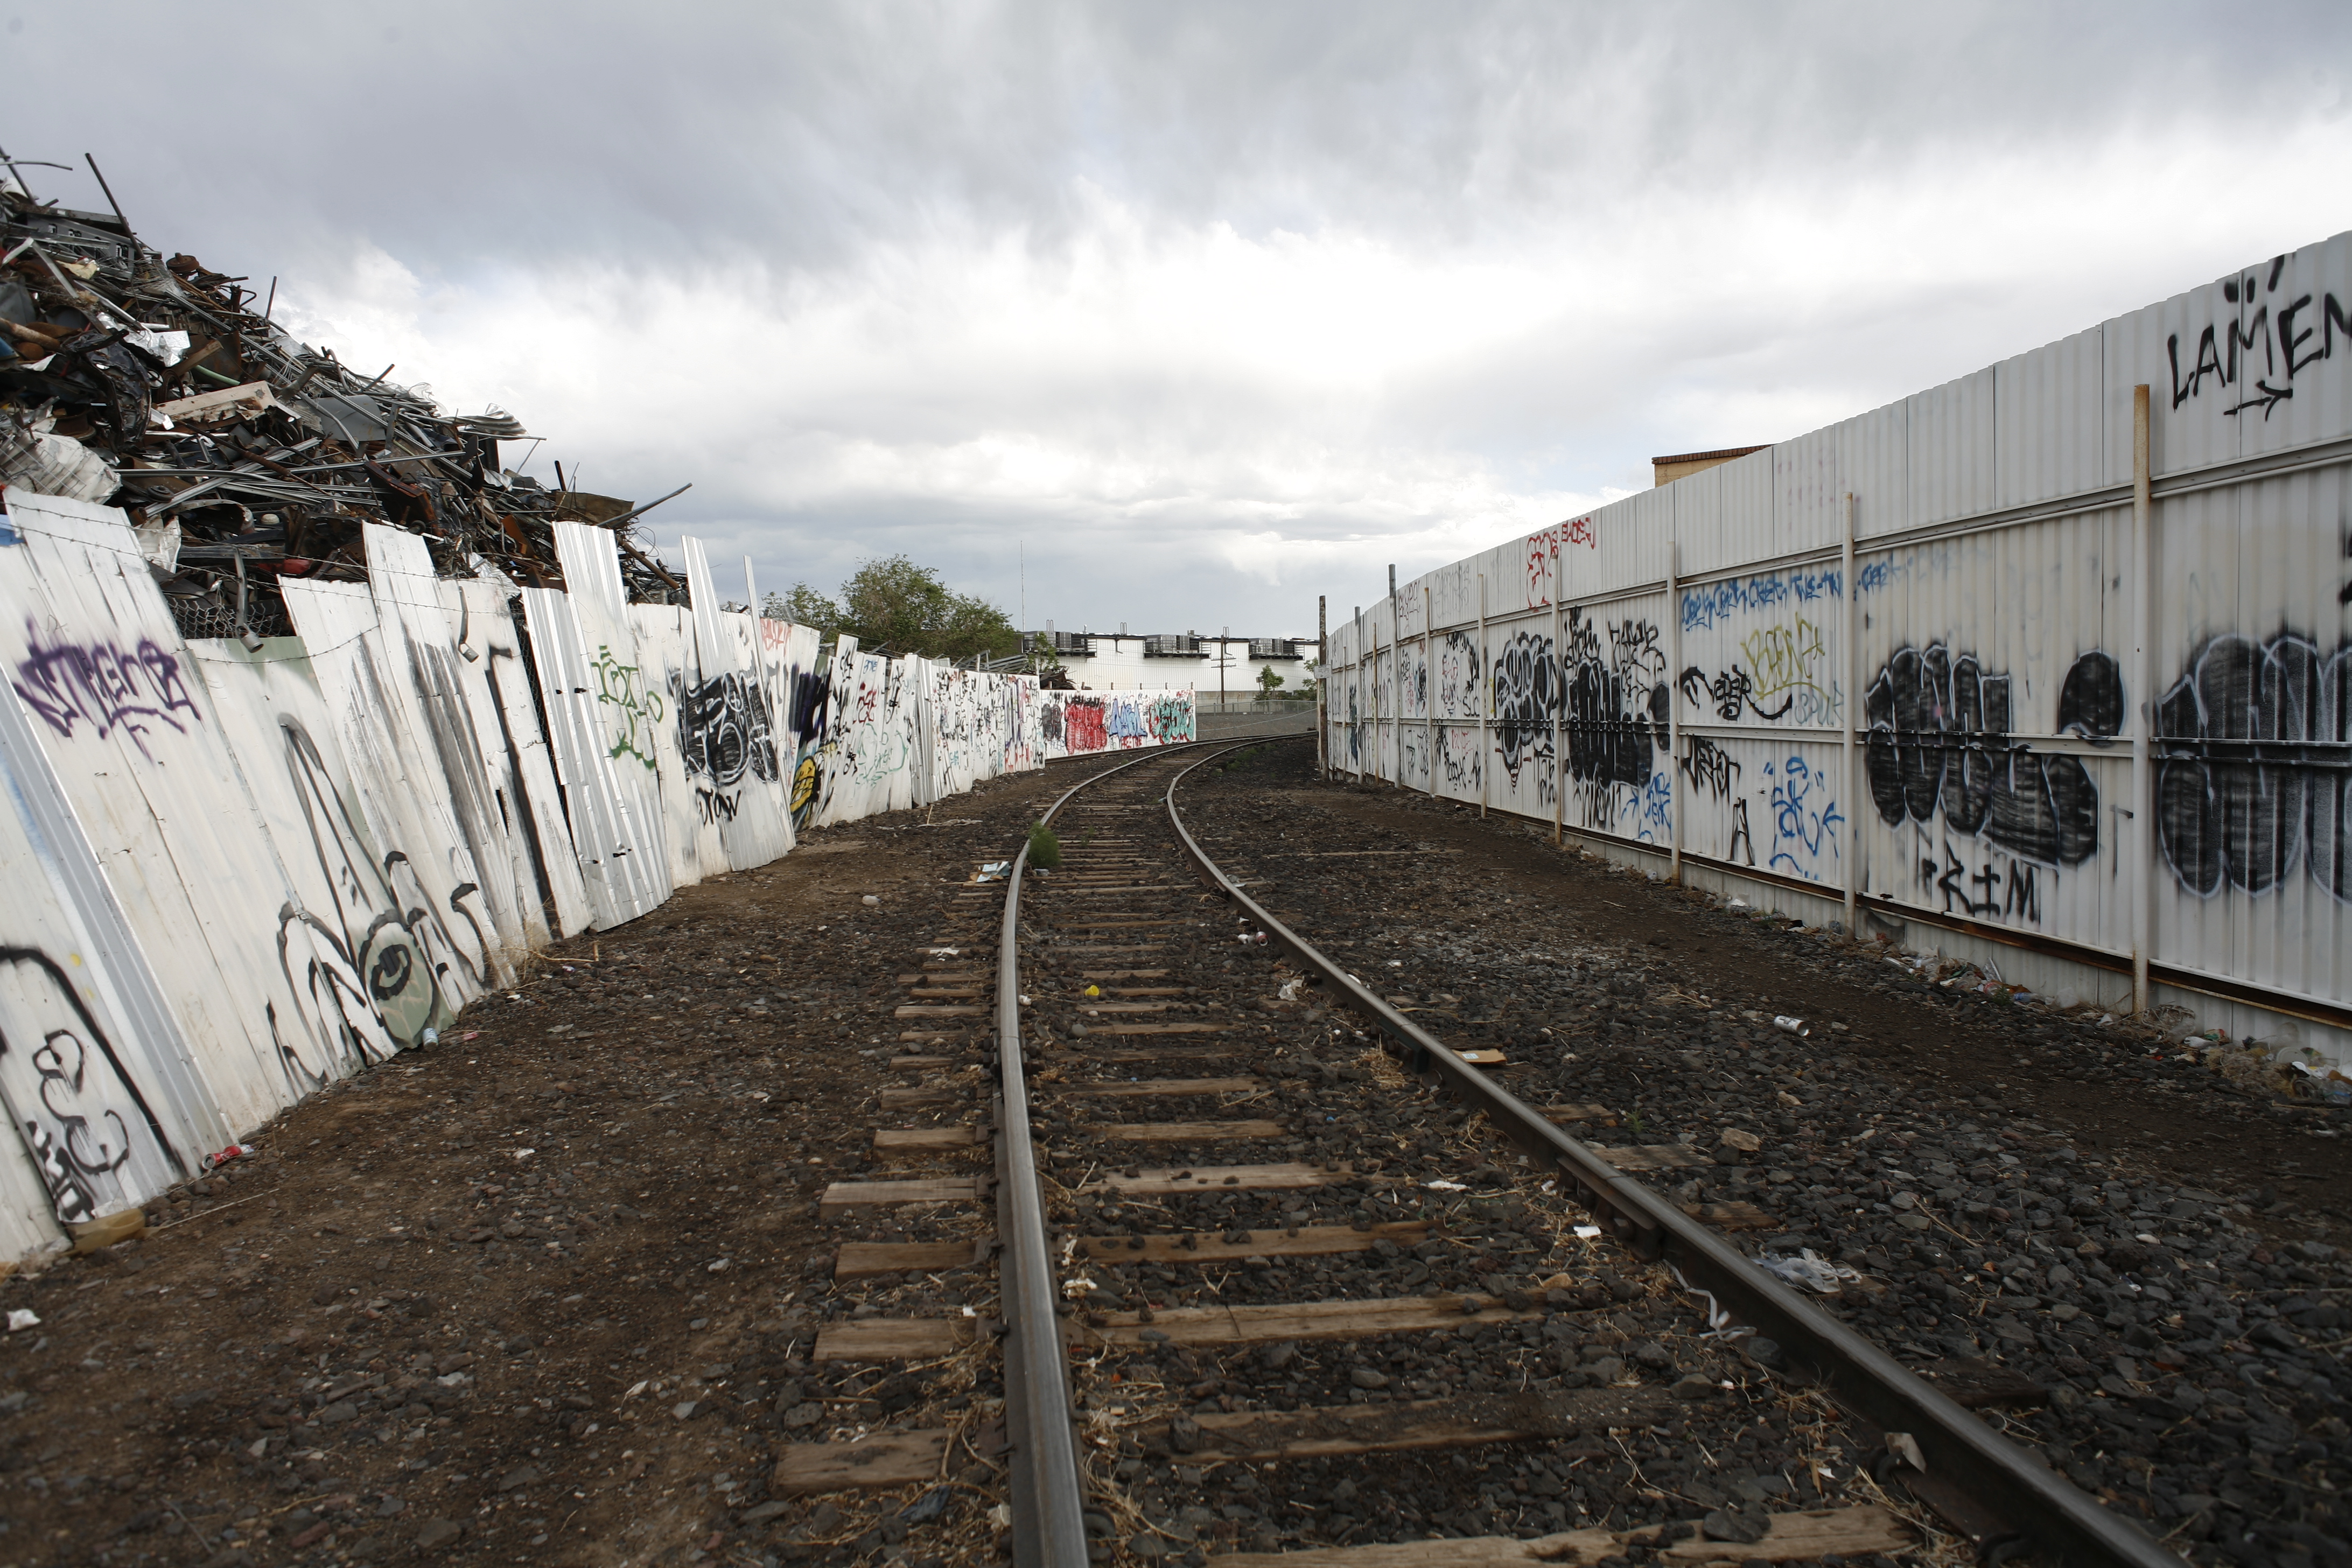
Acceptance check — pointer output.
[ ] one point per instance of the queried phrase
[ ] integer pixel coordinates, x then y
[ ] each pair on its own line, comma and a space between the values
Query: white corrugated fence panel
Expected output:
136, 751
627, 704
498, 689
1951, 468
616, 820
430, 696
726, 732
2050, 420
664, 635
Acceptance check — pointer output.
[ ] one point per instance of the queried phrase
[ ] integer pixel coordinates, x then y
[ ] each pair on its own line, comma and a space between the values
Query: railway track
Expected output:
1259, 1237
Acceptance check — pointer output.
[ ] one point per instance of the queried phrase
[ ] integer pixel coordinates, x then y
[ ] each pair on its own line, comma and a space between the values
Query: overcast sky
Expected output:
1205, 309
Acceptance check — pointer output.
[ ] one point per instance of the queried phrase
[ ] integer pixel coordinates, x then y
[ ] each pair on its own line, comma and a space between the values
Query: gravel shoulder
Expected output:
2128, 1257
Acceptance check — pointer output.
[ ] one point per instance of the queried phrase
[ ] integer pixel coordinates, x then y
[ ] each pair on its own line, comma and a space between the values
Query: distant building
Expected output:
1126, 661
1668, 469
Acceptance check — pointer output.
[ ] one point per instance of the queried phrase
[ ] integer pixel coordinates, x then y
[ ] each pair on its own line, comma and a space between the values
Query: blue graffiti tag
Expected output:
1704, 606
1651, 811
1798, 824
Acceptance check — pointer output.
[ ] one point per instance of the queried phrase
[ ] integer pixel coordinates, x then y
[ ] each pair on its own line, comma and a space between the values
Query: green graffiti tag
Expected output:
623, 686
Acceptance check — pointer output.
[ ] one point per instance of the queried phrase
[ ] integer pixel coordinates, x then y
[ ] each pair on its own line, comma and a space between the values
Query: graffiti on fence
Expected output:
1805, 817
376, 964
1729, 694
105, 686
1576, 532
723, 727
2272, 328
1940, 741
1708, 766
630, 710
2253, 781
1616, 704
1457, 676
1709, 603
82, 1117
1986, 885
1526, 693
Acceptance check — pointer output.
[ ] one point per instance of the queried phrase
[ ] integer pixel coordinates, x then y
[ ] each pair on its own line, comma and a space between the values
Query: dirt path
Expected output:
541, 1293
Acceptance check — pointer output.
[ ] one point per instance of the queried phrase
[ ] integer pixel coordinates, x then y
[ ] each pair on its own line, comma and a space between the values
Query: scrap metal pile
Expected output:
240, 454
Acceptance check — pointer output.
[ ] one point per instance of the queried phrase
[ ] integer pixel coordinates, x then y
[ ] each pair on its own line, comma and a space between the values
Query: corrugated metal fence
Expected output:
236, 875
1960, 669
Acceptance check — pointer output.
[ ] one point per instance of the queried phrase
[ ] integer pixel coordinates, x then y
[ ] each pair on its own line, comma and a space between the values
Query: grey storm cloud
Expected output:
1196, 311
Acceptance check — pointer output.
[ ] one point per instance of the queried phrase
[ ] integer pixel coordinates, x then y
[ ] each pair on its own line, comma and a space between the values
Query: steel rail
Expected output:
1048, 1491
2005, 1500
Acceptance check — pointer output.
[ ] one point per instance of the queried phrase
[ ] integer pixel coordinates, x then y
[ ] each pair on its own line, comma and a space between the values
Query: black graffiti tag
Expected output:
1525, 694
1708, 766
722, 728
2254, 772
1729, 693
1940, 740
2225, 351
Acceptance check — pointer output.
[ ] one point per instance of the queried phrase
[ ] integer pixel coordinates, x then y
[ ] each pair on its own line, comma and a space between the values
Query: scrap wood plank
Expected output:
1168, 1053
1270, 1322
1199, 1178
1210, 1247
913, 1140
877, 1460
1562, 1114
860, 1259
1791, 1537
1455, 1422
1182, 1132
1653, 1157
933, 1190
1733, 1215
895, 1339
1165, 1086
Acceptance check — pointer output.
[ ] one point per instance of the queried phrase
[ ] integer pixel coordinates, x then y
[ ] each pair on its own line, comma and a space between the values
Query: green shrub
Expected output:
1045, 850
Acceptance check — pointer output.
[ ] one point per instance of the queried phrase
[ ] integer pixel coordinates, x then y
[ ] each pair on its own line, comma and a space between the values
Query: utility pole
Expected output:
1224, 639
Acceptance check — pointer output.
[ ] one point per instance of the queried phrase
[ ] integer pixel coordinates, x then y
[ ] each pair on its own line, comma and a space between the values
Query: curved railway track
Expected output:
1256, 1226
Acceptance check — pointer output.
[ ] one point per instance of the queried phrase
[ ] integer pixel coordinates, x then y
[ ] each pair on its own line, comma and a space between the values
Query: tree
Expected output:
804, 606
899, 606
1269, 681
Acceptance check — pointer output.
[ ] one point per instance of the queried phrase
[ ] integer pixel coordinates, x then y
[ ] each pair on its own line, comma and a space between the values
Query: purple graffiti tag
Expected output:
105, 685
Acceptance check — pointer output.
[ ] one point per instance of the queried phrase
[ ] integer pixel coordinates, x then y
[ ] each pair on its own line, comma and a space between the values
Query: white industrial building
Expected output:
1121, 661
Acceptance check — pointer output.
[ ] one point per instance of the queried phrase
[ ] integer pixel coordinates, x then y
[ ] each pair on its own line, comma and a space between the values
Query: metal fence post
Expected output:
1848, 661
1483, 703
1674, 708
1428, 705
2142, 836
